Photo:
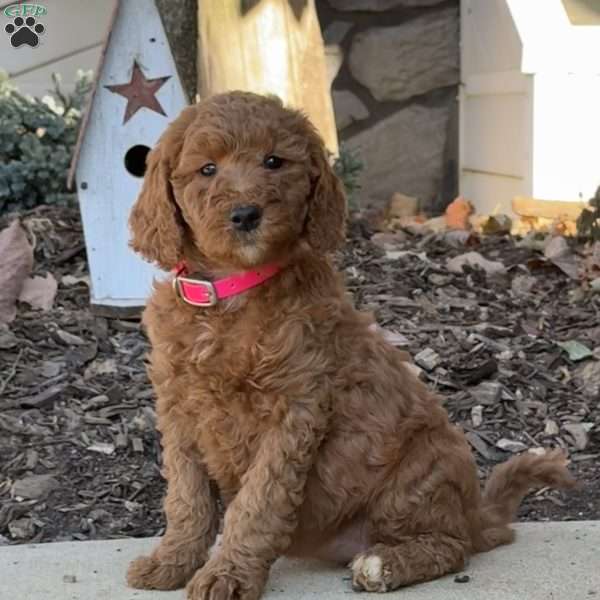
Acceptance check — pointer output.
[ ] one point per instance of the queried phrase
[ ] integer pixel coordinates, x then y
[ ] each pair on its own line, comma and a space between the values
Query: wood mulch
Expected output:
79, 455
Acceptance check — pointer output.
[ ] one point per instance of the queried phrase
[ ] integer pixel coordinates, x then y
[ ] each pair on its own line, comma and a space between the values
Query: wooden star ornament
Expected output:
140, 92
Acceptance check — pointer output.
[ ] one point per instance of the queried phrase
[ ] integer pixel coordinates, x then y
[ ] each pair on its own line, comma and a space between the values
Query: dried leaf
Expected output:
21, 529
43, 399
16, 261
133, 506
137, 444
395, 254
102, 448
51, 368
81, 354
478, 444
389, 241
477, 415
457, 214
39, 292
487, 392
401, 206
576, 350
558, 252
459, 238
496, 224
393, 338
474, 259
429, 359
579, 433
551, 427
101, 367
69, 280
589, 377
510, 445
522, 285
34, 486
436, 224
537, 451
69, 339
533, 241
7, 338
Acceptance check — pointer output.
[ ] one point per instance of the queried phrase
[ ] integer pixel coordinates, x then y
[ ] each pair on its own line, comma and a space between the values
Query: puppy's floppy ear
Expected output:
155, 221
326, 217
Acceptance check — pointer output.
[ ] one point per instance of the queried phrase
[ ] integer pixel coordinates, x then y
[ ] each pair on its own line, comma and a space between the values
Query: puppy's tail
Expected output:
507, 486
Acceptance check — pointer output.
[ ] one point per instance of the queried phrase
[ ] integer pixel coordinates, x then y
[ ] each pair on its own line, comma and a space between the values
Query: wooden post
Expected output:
267, 46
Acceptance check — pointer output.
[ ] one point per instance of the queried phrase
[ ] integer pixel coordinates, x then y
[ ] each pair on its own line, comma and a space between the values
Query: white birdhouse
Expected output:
136, 93
529, 99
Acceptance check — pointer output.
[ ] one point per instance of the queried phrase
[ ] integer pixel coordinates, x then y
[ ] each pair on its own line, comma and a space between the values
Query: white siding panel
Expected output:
489, 40
495, 137
491, 194
566, 131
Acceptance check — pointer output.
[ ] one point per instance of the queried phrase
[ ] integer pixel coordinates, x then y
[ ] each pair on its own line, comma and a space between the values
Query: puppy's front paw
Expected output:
222, 580
370, 573
149, 573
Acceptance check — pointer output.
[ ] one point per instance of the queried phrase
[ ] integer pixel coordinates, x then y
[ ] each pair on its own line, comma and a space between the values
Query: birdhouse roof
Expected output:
90, 101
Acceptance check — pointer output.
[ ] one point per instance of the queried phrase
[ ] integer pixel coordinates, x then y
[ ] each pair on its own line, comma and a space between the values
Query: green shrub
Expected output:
588, 223
348, 167
37, 137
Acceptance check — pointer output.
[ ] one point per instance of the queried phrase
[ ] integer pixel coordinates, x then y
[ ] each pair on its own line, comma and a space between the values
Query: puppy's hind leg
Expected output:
418, 532
192, 524
412, 560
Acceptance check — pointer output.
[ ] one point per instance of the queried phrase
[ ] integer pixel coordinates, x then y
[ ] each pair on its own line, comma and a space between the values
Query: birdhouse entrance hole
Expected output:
135, 160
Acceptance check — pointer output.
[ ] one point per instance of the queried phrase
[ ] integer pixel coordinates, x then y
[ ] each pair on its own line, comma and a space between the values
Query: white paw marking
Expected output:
368, 573
373, 568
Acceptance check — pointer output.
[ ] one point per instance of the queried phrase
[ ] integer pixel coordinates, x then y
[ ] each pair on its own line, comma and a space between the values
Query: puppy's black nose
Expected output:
246, 218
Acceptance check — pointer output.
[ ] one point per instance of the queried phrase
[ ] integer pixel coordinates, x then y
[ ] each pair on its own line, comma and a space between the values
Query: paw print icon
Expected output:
24, 32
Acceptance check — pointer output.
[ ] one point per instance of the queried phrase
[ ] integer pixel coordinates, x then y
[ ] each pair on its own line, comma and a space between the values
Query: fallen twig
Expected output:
12, 373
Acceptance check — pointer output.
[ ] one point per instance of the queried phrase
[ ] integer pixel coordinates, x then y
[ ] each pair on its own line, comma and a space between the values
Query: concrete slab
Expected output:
549, 561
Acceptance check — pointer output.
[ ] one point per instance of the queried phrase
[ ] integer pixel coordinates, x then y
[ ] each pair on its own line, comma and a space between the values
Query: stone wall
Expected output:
395, 70
181, 27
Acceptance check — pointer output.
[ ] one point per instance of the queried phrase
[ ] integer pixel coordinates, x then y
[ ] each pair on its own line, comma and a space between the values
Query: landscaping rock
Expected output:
348, 108
398, 62
336, 32
404, 151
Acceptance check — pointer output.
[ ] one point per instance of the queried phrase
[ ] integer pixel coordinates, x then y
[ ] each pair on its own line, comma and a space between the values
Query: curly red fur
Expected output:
320, 440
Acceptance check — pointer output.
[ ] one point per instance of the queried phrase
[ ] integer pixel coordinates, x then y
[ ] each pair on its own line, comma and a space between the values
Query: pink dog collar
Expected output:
198, 292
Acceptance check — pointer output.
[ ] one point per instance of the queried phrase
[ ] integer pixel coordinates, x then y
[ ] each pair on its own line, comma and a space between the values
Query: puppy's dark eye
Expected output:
273, 162
208, 170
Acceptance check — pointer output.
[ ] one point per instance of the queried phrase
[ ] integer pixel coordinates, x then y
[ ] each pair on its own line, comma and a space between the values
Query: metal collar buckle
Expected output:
207, 285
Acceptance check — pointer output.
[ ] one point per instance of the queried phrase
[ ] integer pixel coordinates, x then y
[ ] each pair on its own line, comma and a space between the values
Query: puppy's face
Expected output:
243, 182
248, 181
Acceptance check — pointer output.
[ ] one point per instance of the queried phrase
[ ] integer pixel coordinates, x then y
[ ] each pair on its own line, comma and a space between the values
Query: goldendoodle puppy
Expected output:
271, 385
